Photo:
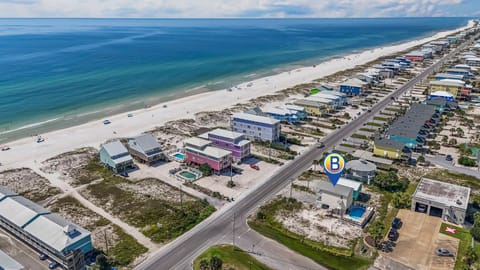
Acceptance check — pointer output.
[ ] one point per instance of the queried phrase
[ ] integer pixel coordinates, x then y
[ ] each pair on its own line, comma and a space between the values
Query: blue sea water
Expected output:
62, 72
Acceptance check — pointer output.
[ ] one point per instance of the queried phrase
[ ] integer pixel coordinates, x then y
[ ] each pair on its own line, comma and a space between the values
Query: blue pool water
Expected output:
357, 212
179, 156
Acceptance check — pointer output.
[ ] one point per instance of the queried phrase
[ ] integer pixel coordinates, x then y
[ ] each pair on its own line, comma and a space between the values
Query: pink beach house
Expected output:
199, 151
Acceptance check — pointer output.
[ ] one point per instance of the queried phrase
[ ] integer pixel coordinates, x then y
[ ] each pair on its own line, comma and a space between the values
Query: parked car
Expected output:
255, 167
397, 223
320, 145
106, 122
392, 235
449, 158
443, 252
5, 148
422, 208
43, 256
53, 265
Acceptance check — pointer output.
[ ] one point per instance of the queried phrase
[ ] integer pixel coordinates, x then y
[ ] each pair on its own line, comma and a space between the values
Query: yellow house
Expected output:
388, 148
448, 85
312, 107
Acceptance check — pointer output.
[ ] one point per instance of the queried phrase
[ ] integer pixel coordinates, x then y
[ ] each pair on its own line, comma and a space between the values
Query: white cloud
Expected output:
222, 8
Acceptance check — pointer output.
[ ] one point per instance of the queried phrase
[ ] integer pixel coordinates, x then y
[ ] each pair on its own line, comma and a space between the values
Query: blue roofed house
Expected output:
353, 87
115, 156
282, 114
145, 148
300, 111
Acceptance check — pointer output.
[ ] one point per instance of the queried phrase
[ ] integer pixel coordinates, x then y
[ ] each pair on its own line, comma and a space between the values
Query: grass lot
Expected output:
232, 257
379, 118
373, 124
331, 257
453, 177
465, 243
125, 248
359, 136
159, 218
369, 130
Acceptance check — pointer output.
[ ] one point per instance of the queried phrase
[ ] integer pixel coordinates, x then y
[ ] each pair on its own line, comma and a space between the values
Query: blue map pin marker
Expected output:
333, 165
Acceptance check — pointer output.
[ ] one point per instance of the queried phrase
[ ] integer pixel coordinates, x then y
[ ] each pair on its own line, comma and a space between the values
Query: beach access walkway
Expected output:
68, 190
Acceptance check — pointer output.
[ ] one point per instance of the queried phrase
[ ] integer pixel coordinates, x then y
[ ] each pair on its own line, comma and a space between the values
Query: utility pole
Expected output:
233, 229
106, 240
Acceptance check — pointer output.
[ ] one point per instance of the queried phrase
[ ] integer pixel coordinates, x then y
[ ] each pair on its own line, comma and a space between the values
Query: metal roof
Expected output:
51, 229
452, 76
444, 193
361, 165
353, 82
338, 190
6, 192
255, 118
20, 211
310, 103
355, 185
197, 142
225, 133
146, 142
448, 82
389, 144
115, 148
7, 263
56, 232
410, 124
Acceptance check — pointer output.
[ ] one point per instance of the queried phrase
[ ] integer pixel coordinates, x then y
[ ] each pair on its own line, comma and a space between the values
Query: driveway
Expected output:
418, 240
440, 161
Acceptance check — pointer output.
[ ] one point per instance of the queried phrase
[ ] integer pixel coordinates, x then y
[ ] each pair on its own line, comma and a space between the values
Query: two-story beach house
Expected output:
199, 151
231, 141
145, 148
115, 156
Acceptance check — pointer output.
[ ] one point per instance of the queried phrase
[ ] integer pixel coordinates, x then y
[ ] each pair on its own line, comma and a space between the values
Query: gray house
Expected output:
115, 156
337, 198
361, 170
145, 148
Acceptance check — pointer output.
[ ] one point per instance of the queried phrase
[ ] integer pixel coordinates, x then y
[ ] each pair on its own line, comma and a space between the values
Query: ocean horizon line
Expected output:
142, 100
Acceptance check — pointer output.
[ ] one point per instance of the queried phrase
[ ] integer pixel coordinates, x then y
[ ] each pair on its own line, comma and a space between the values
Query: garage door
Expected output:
420, 207
436, 212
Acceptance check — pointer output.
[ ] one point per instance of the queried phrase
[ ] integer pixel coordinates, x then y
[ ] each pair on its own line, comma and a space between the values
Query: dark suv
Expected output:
392, 235
396, 223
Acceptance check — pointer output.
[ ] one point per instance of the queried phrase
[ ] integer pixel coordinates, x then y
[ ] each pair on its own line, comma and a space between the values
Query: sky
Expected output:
237, 8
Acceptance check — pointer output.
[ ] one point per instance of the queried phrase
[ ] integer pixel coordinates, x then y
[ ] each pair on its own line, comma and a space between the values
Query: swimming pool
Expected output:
357, 212
180, 156
188, 175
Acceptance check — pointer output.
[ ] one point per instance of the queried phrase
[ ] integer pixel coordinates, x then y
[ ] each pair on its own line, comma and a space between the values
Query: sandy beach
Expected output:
27, 152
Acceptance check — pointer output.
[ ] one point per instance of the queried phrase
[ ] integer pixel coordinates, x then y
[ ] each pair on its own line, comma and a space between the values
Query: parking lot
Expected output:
418, 240
19, 252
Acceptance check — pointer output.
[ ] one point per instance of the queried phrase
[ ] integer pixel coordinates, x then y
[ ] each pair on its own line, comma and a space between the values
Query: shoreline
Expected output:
91, 134
41, 124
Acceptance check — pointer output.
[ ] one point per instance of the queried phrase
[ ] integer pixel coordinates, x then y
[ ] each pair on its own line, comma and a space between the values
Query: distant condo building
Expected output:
231, 141
199, 151
255, 127
353, 87
47, 233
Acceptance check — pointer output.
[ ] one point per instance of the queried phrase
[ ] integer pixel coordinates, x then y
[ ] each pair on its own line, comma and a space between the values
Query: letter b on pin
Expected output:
333, 165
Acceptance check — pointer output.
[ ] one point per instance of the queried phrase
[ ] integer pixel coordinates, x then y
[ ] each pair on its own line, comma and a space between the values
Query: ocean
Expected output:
56, 73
